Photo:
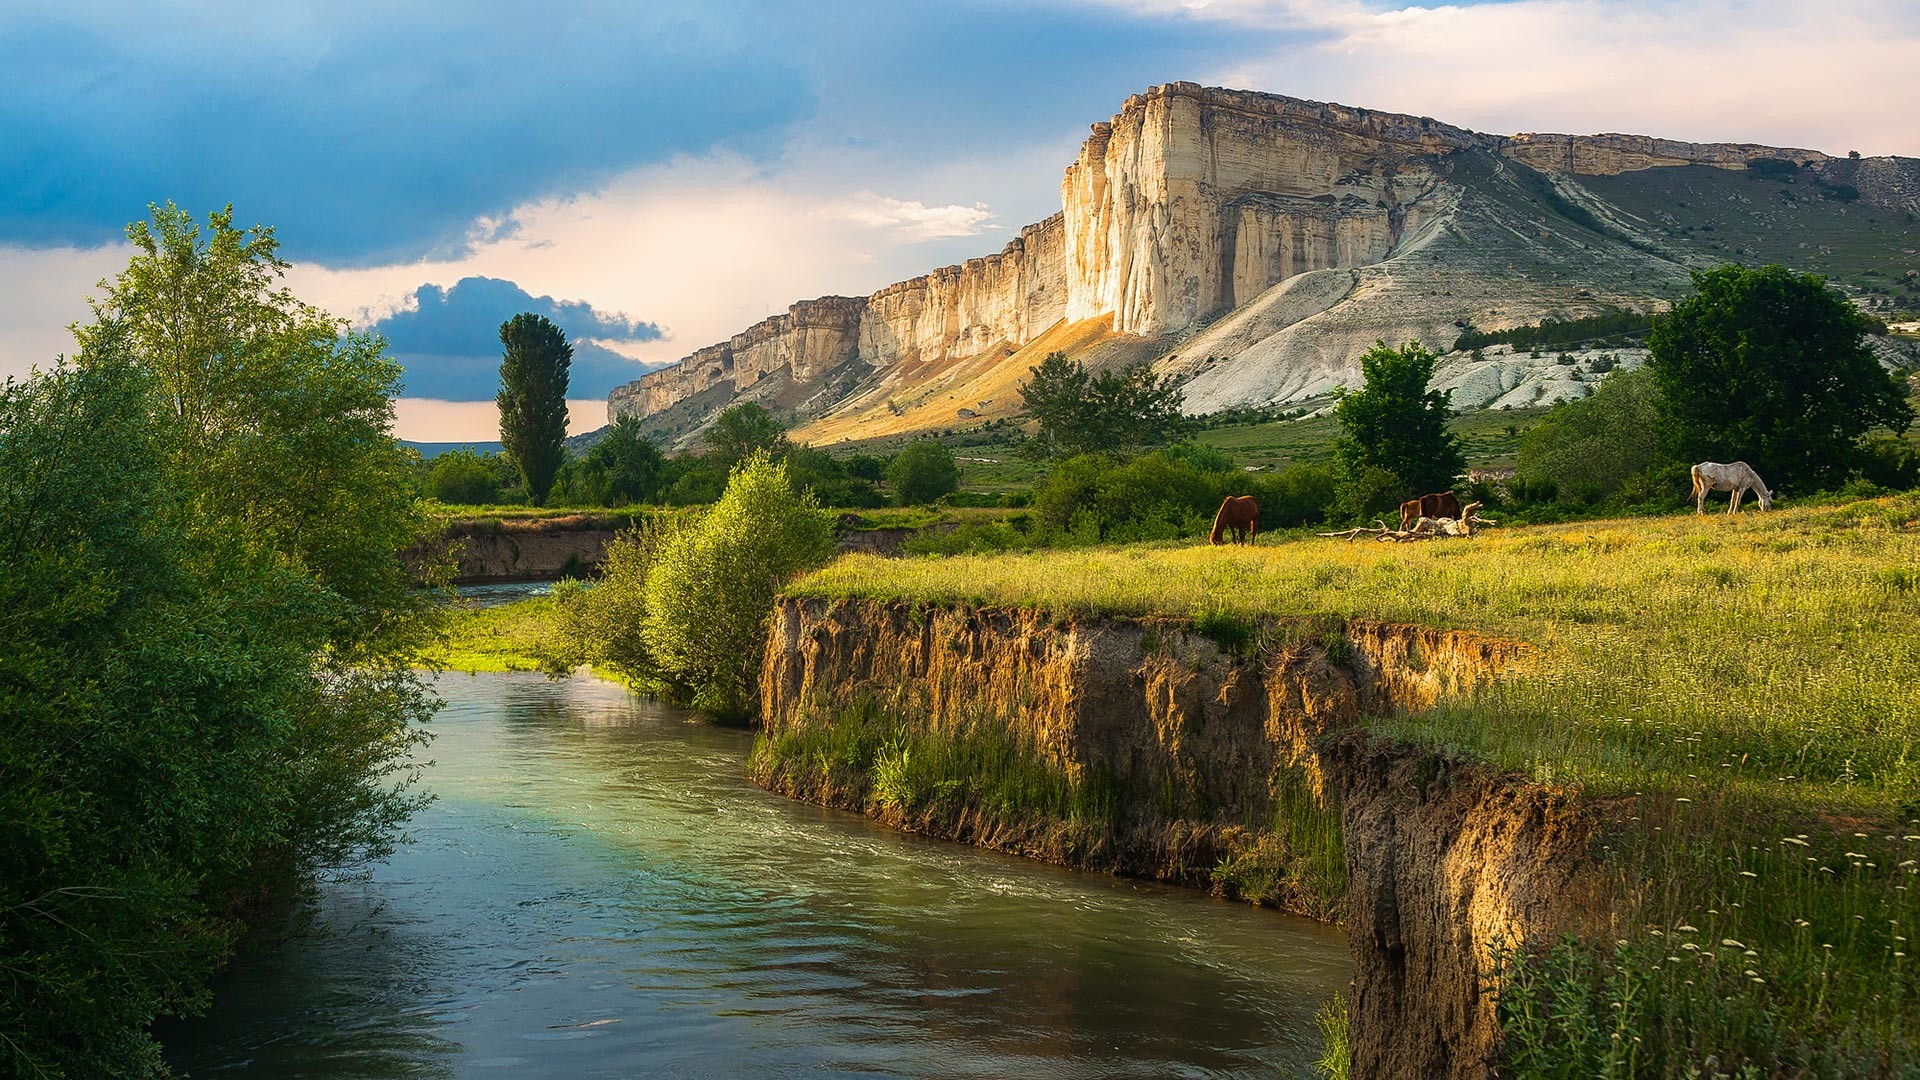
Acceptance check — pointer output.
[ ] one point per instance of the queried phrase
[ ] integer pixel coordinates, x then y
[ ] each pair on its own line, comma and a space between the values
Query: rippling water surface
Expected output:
598, 893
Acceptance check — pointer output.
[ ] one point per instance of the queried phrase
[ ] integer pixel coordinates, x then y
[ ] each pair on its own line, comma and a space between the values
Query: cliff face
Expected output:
1192, 202
1444, 859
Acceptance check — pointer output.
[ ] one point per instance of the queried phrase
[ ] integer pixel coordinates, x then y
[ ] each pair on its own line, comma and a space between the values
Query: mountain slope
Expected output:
1254, 245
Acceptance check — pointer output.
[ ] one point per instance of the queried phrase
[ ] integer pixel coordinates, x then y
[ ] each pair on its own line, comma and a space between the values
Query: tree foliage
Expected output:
710, 586
1771, 367
1117, 413
463, 476
1396, 425
205, 685
623, 467
742, 429
1585, 450
533, 398
922, 473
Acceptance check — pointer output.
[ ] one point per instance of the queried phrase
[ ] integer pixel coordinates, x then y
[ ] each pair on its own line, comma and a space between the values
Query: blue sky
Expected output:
659, 175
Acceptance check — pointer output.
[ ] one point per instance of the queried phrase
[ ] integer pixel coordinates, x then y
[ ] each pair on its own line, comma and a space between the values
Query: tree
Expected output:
462, 476
1396, 425
1117, 413
742, 429
623, 467
205, 647
710, 586
922, 473
1585, 450
533, 398
1772, 368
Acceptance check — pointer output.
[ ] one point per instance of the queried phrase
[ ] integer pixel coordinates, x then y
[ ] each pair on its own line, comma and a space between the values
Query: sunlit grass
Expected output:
509, 637
1740, 694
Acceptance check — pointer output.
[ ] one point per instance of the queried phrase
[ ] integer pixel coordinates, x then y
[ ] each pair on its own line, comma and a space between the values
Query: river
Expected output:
596, 892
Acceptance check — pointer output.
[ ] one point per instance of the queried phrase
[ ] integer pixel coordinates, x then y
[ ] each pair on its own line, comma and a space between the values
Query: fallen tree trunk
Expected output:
1426, 528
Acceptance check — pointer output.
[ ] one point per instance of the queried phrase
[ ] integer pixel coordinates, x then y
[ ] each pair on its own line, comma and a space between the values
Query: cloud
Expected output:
365, 131
915, 219
449, 339
1711, 71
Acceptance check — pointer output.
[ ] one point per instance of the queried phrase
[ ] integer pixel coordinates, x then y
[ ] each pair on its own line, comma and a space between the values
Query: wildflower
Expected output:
1855, 855
1801, 922
1749, 952
1685, 929
1731, 944
1758, 979
1691, 947
1749, 972
1794, 840
1748, 873
1683, 800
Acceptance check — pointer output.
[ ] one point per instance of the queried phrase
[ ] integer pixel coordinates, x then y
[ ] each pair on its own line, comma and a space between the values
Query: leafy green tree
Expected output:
829, 479
742, 429
463, 476
533, 398
1586, 450
1394, 424
923, 472
206, 689
623, 467
1117, 413
1773, 368
711, 586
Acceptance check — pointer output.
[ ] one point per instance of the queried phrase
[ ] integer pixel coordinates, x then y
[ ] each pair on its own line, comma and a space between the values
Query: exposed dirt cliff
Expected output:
1207, 758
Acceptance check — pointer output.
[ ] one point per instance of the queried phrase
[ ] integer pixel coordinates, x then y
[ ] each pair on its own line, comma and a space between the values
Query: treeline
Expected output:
1614, 323
625, 467
205, 640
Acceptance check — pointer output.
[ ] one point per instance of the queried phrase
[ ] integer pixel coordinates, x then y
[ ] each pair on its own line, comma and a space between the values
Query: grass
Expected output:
1739, 693
509, 637
886, 761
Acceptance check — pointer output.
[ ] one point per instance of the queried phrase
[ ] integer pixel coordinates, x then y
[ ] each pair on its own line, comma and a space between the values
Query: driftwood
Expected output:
1468, 523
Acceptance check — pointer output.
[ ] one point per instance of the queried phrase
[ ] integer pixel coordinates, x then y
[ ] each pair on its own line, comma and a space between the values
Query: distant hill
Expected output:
1253, 245
430, 450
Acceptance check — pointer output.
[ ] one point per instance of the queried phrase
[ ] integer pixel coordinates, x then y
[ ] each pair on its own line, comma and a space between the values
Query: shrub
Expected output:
922, 473
463, 476
1582, 451
710, 586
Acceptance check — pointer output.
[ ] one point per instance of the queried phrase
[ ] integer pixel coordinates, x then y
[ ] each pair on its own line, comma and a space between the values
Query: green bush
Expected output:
1165, 495
710, 586
1584, 451
923, 473
464, 477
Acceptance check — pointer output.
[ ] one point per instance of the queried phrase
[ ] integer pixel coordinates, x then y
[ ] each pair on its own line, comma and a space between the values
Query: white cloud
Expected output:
914, 220
1833, 76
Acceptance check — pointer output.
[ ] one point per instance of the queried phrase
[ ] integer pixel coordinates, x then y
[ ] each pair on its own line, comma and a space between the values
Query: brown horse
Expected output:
1444, 504
1239, 513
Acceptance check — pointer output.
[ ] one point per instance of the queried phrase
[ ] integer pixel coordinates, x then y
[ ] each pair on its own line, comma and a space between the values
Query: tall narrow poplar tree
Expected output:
533, 398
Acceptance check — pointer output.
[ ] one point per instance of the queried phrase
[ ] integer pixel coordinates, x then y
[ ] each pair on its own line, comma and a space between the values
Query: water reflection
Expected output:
597, 893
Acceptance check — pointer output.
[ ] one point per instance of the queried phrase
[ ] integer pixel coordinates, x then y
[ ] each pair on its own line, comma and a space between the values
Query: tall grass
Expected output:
1738, 693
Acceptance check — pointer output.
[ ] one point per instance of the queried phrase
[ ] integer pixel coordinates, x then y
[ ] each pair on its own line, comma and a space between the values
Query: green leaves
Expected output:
1772, 368
1117, 413
922, 473
1394, 423
533, 398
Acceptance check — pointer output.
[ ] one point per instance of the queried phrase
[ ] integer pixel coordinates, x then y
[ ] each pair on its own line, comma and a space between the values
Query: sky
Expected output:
655, 177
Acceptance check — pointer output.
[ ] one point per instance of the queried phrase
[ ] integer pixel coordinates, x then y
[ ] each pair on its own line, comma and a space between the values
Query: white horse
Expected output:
1738, 478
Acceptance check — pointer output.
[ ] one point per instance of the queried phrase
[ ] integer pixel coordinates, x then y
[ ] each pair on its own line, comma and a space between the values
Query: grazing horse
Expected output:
1738, 478
1239, 513
1441, 504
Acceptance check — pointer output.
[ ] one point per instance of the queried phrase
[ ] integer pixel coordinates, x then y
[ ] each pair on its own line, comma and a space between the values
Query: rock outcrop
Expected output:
1193, 202
1446, 860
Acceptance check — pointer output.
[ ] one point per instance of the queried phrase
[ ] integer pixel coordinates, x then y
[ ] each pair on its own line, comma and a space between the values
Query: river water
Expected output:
596, 892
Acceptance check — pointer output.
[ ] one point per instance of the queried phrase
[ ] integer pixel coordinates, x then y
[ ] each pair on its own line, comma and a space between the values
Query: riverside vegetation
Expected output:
206, 640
